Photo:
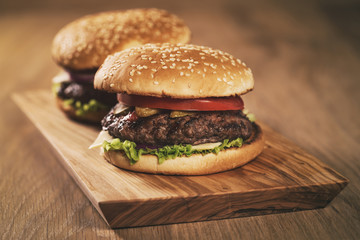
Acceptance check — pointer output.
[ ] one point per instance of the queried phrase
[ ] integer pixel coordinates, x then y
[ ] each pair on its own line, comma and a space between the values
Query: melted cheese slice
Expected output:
103, 136
206, 146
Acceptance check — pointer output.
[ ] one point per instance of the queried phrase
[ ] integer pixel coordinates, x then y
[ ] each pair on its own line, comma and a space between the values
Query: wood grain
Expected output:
305, 58
283, 178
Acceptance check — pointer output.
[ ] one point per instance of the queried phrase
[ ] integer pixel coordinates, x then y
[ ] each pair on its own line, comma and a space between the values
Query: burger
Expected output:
179, 110
81, 47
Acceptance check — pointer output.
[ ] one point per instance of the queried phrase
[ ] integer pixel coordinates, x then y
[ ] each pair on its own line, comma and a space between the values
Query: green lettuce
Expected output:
80, 108
166, 152
249, 115
83, 108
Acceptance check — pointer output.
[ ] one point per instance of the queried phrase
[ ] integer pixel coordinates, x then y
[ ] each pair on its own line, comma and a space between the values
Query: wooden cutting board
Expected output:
283, 178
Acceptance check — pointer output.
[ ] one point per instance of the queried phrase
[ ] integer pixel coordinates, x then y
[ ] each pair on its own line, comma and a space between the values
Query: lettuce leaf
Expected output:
82, 108
166, 152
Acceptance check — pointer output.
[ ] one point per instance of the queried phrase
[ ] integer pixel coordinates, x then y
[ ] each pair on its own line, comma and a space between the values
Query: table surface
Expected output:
305, 58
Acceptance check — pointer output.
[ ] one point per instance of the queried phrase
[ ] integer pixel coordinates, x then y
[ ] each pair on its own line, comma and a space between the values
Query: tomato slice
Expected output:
197, 104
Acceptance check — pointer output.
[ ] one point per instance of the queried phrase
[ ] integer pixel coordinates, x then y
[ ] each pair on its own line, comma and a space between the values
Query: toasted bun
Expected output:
90, 117
196, 164
174, 70
85, 43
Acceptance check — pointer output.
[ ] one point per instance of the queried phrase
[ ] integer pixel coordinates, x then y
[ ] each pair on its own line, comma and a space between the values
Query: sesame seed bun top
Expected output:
174, 70
85, 43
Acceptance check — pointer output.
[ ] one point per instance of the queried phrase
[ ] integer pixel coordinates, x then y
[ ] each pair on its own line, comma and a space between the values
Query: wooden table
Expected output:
306, 62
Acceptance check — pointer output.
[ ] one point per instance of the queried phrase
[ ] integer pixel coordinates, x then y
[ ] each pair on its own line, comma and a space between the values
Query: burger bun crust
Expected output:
174, 70
85, 42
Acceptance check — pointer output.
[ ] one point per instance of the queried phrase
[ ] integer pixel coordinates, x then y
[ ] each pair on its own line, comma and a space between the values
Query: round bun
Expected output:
174, 70
89, 117
85, 43
196, 164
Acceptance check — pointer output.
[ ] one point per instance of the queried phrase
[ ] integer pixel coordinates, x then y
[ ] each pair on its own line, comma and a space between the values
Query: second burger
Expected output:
81, 47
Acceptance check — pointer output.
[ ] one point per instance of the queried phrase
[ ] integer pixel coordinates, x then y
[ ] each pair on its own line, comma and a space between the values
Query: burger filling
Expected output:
169, 134
82, 95
166, 129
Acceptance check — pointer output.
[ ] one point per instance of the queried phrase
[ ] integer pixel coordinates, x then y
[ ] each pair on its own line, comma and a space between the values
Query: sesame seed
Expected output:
163, 63
112, 85
181, 73
202, 57
219, 79
153, 61
145, 67
138, 72
173, 80
164, 67
130, 80
187, 74
156, 82
153, 69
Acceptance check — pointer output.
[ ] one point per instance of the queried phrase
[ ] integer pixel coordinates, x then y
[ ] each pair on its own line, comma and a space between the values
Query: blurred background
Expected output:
305, 57
291, 47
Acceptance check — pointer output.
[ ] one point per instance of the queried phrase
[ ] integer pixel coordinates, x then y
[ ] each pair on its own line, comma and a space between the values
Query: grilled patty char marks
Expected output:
160, 129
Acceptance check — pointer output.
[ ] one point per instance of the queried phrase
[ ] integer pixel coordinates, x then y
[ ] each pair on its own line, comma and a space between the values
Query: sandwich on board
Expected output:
82, 46
179, 110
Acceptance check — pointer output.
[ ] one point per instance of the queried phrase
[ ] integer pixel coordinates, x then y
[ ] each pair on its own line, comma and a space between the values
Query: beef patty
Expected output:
160, 129
84, 92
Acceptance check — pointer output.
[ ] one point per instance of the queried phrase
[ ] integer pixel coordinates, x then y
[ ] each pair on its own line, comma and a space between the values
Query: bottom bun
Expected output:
196, 164
70, 111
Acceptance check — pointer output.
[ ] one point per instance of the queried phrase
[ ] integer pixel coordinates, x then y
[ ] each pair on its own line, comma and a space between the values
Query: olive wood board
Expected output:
283, 178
